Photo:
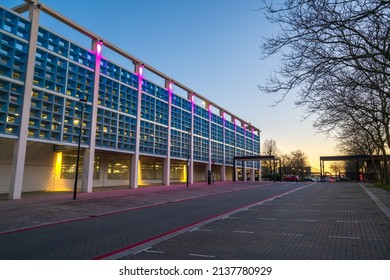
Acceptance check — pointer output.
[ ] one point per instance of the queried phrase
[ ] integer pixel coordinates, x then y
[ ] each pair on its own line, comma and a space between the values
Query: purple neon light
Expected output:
193, 102
99, 46
140, 70
170, 90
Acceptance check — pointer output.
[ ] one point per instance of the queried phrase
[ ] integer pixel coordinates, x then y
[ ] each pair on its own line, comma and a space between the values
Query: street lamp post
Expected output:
82, 101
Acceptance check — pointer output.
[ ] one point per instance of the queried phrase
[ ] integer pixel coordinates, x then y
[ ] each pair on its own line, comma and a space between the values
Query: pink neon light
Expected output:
170, 86
99, 46
193, 102
140, 70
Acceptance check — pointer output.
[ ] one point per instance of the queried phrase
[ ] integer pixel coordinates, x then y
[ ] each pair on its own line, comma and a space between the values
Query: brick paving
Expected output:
324, 222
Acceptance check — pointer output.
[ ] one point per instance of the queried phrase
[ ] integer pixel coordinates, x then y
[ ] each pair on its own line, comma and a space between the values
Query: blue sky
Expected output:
211, 46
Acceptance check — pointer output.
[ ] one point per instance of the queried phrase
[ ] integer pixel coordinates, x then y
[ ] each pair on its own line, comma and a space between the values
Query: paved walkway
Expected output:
321, 222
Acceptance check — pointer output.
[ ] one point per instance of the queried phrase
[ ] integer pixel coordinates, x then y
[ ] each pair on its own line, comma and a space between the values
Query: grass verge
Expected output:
383, 186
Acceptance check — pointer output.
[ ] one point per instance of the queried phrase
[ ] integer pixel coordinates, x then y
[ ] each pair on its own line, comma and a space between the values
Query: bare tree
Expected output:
337, 54
295, 162
321, 37
337, 167
269, 148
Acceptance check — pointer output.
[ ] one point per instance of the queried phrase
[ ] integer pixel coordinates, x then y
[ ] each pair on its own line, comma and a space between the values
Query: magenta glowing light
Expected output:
170, 87
170, 90
140, 70
99, 47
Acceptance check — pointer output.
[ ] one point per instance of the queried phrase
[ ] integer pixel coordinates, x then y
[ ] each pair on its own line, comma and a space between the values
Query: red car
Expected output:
291, 178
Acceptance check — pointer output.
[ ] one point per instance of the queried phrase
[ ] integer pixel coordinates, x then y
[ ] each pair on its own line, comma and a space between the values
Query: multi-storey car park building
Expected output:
133, 131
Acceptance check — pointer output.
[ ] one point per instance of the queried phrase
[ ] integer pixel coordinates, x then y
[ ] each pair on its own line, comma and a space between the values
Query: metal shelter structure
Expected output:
356, 158
257, 158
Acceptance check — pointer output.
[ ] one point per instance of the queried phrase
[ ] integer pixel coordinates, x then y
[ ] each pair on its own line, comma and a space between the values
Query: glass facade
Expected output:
64, 72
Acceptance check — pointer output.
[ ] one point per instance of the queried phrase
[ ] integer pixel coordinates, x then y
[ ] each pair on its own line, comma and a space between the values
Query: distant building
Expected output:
134, 131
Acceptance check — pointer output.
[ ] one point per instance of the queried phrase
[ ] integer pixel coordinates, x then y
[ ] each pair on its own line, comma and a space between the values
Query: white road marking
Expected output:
243, 231
345, 237
203, 256
305, 220
199, 229
291, 234
347, 221
267, 219
154, 252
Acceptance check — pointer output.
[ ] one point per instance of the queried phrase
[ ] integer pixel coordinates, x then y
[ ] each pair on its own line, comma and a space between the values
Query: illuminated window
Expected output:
118, 169
68, 167
152, 170
177, 171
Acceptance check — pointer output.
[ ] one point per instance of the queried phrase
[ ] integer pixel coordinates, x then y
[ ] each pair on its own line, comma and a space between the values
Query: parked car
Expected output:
328, 179
291, 178
310, 179
345, 179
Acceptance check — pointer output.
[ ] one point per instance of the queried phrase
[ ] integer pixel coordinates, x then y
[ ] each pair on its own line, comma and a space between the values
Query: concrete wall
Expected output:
39, 167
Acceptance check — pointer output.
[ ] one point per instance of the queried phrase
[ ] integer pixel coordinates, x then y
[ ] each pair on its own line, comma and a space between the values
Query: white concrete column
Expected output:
89, 153
223, 167
191, 98
20, 147
244, 163
167, 160
252, 174
135, 158
260, 154
235, 167
209, 167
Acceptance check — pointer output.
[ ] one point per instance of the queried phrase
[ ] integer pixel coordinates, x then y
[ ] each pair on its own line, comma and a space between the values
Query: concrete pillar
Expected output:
167, 160
20, 147
89, 154
223, 167
191, 98
135, 158
252, 175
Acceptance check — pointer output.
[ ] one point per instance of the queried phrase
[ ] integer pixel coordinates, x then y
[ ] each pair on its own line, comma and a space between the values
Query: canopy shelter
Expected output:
356, 158
257, 158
